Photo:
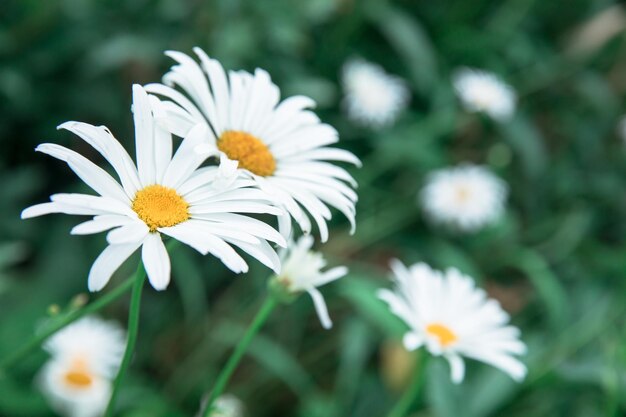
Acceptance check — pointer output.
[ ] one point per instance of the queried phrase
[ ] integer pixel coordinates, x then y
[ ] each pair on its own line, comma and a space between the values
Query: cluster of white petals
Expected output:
302, 272
482, 91
466, 197
372, 97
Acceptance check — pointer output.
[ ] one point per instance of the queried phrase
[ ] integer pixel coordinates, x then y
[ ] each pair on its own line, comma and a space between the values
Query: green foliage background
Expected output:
557, 261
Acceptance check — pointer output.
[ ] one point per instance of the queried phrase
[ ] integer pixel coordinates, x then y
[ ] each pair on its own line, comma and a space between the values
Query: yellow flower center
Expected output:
78, 376
160, 206
249, 150
443, 333
462, 193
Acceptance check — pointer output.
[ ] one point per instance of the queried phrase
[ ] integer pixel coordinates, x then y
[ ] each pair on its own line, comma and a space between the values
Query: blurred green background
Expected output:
556, 262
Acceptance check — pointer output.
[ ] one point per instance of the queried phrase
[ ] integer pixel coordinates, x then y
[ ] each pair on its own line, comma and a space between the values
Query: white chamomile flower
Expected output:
466, 197
452, 318
372, 97
84, 358
281, 145
482, 91
228, 405
302, 271
165, 194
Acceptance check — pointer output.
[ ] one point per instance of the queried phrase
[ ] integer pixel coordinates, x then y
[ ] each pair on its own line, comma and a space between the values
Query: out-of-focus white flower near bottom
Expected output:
228, 405
73, 389
85, 356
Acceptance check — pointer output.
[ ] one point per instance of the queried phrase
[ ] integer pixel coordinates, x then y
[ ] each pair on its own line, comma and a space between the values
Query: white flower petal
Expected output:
179, 99
320, 308
94, 176
103, 141
108, 262
162, 139
261, 251
100, 224
156, 261
457, 368
412, 341
100, 205
206, 243
186, 160
144, 136
132, 232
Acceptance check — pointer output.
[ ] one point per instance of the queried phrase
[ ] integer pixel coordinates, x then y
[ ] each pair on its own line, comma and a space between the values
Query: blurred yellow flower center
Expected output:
249, 150
78, 376
462, 194
443, 333
160, 206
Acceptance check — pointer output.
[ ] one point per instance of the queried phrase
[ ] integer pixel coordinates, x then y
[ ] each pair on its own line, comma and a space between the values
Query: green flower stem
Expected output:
133, 327
71, 317
413, 391
241, 348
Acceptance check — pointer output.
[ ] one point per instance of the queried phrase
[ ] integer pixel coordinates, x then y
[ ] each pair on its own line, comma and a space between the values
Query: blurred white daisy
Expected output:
466, 197
302, 271
372, 97
452, 318
482, 91
281, 145
228, 405
85, 356
164, 194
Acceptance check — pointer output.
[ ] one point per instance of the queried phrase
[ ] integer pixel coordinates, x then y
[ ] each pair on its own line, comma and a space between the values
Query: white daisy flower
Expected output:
466, 197
452, 318
164, 194
482, 91
228, 405
282, 146
302, 271
84, 358
372, 97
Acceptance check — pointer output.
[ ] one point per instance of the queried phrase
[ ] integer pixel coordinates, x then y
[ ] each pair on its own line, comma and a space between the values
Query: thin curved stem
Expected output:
133, 327
413, 391
241, 348
71, 317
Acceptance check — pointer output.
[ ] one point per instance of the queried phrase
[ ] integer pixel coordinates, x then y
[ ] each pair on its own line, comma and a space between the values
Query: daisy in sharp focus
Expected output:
372, 97
452, 318
164, 195
302, 271
482, 91
280, 144
85, 356
466, 197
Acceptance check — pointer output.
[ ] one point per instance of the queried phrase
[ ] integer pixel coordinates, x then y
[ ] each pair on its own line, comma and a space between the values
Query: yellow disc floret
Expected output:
443, 333
160, 206
249, 150
78, 379
78, 376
